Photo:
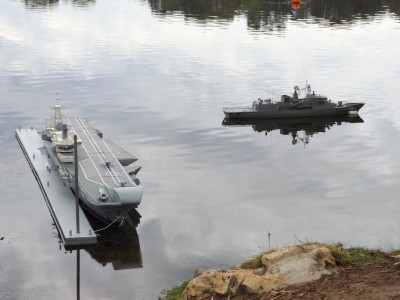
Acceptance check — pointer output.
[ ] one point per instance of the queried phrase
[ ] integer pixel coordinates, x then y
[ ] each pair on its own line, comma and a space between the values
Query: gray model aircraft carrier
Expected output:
99, 172
108, 186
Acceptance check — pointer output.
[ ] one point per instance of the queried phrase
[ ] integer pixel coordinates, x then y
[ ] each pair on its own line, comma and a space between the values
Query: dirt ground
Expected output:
380, 282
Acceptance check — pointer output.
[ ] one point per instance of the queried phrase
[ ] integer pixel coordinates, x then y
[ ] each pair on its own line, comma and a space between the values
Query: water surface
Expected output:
154, 76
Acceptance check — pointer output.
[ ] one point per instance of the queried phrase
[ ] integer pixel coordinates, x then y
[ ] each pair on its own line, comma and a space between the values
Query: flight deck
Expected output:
100, 160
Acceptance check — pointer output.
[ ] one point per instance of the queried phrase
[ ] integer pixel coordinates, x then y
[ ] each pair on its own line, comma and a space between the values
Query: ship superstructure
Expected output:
60, 137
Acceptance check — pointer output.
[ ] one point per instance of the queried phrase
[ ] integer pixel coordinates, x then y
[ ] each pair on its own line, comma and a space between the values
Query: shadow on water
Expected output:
118, 246
292, 126
40, 4
273, 15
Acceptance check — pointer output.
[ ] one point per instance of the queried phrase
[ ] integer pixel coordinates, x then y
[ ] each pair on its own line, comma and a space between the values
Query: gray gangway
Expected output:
59, 198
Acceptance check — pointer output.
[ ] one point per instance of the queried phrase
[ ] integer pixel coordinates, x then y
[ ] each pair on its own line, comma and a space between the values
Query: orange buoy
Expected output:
296, 4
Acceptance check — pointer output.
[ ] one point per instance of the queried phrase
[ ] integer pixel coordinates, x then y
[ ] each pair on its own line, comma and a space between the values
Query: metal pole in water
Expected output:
76, 181
78, 274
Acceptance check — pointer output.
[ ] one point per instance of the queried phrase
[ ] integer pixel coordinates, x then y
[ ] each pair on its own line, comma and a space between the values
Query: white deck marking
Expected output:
96, 147
89, 156
129, 178
91, 135
84, 173
116, 160
91, 139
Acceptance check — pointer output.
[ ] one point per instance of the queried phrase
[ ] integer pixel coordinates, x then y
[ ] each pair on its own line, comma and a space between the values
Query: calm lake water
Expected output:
154, 76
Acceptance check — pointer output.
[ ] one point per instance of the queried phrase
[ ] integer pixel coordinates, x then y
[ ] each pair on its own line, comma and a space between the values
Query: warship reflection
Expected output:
118, 246
292, 126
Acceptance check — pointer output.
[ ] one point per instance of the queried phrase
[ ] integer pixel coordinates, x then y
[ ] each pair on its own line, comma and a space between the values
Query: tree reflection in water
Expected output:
273, 15
40, 4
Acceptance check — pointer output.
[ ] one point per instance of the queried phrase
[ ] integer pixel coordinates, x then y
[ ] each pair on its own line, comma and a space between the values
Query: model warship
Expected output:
108, 186
293, 106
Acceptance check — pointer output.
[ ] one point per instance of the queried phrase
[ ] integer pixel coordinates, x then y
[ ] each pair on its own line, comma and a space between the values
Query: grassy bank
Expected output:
354, 256
176, 292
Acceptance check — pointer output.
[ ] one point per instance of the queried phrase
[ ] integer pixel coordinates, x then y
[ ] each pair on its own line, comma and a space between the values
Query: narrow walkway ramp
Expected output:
59, 198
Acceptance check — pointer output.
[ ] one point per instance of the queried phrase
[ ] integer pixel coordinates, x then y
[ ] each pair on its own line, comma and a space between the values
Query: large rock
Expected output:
299, 264
288, 266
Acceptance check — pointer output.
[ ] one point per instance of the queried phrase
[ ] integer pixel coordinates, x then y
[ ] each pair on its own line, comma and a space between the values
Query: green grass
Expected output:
176, 292
253, 262
357, 256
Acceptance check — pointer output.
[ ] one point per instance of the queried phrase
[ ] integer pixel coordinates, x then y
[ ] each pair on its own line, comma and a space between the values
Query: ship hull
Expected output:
108, 216
290, 113
270, 124
115, 213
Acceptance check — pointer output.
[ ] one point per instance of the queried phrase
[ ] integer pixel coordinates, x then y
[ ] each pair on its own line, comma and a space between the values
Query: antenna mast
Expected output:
57, 112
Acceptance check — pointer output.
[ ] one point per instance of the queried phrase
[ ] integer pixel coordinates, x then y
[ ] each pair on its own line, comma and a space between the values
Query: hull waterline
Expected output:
294, 113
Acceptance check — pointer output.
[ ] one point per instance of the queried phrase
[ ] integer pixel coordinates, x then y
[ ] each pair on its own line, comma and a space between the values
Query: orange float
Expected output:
296, 4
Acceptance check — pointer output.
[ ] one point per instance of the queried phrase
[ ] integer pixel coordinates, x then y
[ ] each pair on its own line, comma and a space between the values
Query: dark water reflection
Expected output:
42, 4
153, 77
119, 246
294, 126
272, 15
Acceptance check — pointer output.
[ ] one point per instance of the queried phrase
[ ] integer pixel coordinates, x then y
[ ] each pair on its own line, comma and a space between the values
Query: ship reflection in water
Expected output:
118, 246
292, 126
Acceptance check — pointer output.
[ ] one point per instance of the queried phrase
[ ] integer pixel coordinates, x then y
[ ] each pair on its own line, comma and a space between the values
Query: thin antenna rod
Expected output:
76, 182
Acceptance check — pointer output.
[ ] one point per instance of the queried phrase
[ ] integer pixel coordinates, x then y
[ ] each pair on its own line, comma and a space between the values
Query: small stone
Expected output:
396, 266
260, 271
